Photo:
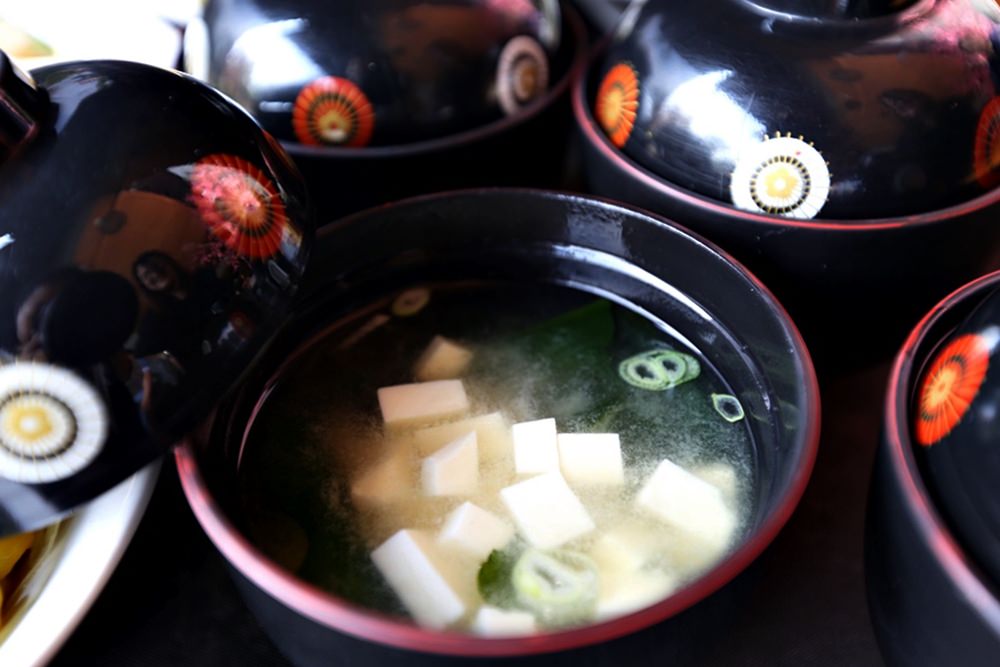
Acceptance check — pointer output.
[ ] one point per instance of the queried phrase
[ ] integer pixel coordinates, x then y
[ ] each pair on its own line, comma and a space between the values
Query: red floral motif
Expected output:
240, 204
333, 111
949, 387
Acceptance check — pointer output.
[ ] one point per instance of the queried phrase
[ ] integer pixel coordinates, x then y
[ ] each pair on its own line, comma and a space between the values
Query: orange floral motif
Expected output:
617, 103
240, 204
949, 387
986, 156
333, 111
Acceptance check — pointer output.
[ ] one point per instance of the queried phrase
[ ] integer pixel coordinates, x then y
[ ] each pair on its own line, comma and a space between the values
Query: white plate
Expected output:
85, 550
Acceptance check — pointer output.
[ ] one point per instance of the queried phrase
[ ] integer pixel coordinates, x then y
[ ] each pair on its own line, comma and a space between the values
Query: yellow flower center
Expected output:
27, 421
611, 107
940, 389
780, 183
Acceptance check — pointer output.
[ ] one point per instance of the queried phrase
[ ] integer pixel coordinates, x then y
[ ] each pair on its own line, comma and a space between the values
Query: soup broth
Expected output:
360, 507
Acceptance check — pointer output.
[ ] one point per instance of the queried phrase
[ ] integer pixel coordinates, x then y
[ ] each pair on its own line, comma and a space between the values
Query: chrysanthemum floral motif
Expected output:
52, 423
240, 204
986, 153
618, 102
949, 387
782, 175
522, 74
333, 111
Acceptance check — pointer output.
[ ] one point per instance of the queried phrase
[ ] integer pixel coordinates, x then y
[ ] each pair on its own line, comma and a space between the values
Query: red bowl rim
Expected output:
597, 140
929, 523
578, 63
330, 611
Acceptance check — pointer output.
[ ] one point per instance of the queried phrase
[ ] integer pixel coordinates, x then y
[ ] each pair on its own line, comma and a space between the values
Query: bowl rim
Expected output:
928, 522
595, 138
339, 615
577, 62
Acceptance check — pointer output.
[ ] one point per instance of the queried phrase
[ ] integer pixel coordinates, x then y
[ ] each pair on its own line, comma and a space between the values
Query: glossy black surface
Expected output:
956, 423
853, 288
416, 69
530, 237
929, 601
898, 98
151, 241
528, 148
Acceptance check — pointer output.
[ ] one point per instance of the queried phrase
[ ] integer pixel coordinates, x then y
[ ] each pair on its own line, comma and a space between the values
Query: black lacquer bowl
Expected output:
930, 592
844, 151
381, 100
642, 262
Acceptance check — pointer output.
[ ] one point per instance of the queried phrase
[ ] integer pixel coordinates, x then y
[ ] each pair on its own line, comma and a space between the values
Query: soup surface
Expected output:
408, 502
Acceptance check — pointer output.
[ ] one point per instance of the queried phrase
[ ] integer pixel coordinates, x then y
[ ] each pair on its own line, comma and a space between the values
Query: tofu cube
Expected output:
492, 436
387, 481
591, 459
535, 448
443, 359
627, 548
422, 402
453, 470
688, 503
494, 622
720, 475
625, 594
546, 511
427, 584
472, 530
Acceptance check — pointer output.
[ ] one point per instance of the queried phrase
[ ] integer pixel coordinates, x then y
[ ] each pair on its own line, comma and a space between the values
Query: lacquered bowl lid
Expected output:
385, 73
932, 523
800, 110
152, 239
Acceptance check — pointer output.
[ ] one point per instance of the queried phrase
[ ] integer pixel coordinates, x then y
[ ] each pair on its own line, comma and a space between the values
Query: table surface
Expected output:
171, 602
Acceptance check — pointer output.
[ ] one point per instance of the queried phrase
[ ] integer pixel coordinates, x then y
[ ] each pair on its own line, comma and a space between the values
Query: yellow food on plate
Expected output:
20, 44
11, 550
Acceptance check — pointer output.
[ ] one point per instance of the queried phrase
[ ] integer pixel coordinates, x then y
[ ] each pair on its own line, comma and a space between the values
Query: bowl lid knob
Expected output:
21, 105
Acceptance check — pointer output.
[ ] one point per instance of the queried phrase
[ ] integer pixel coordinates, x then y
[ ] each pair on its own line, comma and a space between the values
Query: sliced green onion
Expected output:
728, 406
640, 372
657, 370
558, 586
692, 368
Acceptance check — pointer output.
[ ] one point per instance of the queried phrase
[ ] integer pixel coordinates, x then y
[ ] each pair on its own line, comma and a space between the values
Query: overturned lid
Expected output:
837, 109
152, 238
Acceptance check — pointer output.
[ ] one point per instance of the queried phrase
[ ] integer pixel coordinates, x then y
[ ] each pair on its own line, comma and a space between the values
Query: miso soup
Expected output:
499, 458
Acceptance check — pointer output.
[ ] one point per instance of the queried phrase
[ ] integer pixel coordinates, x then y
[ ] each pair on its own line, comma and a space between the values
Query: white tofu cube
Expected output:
422, 402
472, 530
591, 459
720, 475
494, 622
443, 359
546, 511
623, 595
387, 481
424, 581
690, 504
627, 548
535, 449
453, 470
492, 436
